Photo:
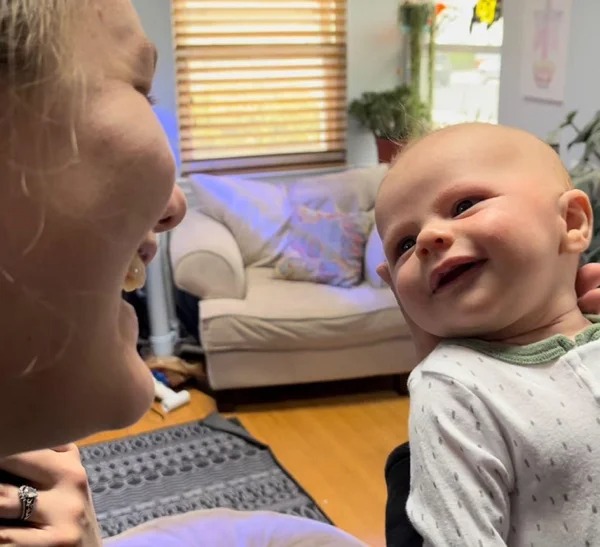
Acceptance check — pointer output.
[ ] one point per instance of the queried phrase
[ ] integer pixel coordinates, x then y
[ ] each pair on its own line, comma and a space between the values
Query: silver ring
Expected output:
28, 496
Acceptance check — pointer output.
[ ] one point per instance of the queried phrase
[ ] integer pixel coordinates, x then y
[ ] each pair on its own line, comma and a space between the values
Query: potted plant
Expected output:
393, 116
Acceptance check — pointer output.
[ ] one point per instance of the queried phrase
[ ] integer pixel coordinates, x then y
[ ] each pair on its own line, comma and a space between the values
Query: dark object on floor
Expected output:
177, 372
186, 306
138, 300
200, 465
228, 400
399, 532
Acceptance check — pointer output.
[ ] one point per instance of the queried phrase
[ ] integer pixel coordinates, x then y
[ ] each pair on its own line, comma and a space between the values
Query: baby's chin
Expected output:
462, 330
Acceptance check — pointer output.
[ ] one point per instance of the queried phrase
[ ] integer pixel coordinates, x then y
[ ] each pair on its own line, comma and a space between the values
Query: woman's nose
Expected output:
433, 239
174, 212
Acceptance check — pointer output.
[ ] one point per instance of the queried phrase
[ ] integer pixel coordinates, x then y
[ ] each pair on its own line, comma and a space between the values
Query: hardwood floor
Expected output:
335, 448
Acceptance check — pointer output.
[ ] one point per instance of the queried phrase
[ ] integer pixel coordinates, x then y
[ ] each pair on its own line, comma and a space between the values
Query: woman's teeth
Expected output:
136, 275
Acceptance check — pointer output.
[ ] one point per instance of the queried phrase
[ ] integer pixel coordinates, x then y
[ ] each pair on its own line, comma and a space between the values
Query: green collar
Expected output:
537, 353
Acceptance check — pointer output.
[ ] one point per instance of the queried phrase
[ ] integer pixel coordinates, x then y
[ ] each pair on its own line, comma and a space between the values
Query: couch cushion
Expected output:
348, 191
278, 314
255, 212
325, 247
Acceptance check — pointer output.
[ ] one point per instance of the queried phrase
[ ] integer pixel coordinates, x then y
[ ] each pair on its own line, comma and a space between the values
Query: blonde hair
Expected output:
39, 78
37, 50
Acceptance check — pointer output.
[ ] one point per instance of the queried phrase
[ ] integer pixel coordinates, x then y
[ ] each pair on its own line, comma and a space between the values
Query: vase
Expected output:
388, 149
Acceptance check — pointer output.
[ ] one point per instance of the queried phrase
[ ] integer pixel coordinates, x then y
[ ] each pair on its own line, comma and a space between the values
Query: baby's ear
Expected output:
577, 213
383, 271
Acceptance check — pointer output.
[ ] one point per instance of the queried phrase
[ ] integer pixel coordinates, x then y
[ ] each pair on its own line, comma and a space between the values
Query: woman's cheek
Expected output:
148, 169
133, 161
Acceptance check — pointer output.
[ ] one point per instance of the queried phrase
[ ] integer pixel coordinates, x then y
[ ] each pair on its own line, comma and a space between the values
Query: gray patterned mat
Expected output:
201, 465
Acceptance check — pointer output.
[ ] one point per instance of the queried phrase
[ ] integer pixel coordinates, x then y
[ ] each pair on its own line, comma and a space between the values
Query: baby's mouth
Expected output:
455, 273
136, 274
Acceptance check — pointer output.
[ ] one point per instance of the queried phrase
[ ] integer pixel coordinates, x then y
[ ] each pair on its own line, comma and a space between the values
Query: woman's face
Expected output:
70, 225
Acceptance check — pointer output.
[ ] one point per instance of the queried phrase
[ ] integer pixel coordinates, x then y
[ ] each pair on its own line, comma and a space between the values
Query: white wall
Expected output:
156, 19
374, 58
583, 77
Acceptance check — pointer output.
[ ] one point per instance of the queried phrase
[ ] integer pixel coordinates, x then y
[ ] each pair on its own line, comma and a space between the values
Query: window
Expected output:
261, 83
467, 66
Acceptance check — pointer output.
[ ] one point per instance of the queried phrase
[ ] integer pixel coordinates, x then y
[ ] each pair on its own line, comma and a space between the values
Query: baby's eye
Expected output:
406, 245
463, 205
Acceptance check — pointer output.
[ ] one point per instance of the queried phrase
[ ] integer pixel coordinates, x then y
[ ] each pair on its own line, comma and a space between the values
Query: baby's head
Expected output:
482, 232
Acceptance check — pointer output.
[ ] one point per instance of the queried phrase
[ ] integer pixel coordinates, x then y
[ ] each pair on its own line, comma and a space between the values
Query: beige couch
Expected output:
259, 331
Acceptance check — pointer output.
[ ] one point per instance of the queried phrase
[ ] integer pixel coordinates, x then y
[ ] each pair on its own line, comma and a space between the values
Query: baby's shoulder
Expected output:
449, 355
453, 361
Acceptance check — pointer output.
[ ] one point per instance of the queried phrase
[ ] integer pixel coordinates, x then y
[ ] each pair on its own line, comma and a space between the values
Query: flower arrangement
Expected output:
418, 17
415, 16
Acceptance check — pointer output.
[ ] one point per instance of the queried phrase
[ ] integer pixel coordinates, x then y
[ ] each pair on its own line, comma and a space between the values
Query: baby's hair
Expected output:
418, 133
561, 170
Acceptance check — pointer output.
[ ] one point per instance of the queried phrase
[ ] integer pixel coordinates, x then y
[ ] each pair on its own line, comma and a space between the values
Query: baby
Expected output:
482, 232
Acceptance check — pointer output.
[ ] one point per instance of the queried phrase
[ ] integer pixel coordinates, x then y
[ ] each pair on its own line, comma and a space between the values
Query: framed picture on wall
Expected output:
545, 48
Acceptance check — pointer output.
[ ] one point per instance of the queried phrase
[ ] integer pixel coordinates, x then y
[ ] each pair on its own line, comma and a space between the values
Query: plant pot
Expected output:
387, 150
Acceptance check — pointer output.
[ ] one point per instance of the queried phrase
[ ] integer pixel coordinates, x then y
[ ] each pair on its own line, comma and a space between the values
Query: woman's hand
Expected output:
587, 287
63, 514
424, 342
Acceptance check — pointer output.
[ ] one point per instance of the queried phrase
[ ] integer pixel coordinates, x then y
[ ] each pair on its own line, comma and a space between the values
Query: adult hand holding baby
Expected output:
587, 287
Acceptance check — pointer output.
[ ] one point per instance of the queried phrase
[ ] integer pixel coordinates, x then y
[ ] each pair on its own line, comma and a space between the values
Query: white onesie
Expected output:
505, 443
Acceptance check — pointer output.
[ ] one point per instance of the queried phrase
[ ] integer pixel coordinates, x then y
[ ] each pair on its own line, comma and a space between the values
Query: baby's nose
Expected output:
432, 240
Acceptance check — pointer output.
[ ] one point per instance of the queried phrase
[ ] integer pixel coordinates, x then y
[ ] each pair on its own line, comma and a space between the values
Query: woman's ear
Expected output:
578, 218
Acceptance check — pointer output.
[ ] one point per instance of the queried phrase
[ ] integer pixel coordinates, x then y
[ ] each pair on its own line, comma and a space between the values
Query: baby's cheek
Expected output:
409, 289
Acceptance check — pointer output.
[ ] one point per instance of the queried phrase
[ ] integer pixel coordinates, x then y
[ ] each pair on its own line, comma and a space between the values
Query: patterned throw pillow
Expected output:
325, 247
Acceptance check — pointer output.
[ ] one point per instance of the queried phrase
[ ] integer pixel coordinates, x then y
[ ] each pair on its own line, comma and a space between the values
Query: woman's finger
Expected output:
10, 503
71, 447
42, 467
588, 279
30, 467
590, 302
37, 537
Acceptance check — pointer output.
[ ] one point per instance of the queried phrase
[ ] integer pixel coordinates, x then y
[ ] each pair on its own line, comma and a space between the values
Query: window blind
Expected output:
261, 83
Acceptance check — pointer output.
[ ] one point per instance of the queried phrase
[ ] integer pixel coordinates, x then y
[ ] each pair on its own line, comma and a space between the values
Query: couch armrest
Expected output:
206, 259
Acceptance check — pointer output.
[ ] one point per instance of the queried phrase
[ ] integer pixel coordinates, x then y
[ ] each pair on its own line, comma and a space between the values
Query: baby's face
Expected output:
472, 229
